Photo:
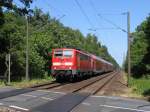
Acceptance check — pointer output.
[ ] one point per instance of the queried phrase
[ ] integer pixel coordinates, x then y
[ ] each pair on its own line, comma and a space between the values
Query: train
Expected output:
71, 64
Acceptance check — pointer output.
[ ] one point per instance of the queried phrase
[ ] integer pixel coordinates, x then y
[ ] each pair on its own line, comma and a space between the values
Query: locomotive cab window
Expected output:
58, 53
84, 57
67, 53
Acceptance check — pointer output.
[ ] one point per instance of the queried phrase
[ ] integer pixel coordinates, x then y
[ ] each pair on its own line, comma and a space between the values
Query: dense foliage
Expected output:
11, 5
45, 33
140, 50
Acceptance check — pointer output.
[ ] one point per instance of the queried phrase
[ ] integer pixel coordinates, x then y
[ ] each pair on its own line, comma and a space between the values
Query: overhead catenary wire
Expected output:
84, 13
111, 13
57, 19
95, 12
54, 8
42, 27
112, 23
87, 18
99, 23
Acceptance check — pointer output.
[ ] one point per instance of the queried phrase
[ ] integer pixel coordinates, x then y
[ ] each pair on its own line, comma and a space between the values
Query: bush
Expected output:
141, 86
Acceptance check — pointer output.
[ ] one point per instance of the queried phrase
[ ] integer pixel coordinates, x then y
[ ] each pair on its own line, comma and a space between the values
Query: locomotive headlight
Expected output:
69, 67
54, 67
56, 64
68, 63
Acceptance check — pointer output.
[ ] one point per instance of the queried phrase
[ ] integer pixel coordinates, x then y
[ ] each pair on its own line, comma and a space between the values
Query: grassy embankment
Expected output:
24, 83
140, 87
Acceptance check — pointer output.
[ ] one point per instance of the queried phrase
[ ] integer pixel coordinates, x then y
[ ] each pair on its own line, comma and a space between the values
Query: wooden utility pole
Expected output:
9, 68
27, 49
129, 40
8, 65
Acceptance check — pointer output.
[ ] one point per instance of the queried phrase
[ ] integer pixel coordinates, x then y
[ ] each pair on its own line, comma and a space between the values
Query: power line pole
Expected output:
27, 49
9, 68
128, 33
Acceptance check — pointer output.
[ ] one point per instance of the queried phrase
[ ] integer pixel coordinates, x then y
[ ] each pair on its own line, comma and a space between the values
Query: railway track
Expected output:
78, 86
48, 85
77, 92
103, 90
40, 85
92, 85
97, 85
80, 89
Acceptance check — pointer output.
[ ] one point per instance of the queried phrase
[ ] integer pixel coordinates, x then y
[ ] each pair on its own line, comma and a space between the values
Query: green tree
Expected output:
11, 5
140, 50
45, 34
12, 41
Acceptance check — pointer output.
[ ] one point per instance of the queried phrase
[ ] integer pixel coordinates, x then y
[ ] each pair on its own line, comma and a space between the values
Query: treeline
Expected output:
140, 50
45, 33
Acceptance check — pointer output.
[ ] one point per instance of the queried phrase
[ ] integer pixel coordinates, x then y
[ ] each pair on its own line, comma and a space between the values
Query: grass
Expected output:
24, 83
2, 83
140, 86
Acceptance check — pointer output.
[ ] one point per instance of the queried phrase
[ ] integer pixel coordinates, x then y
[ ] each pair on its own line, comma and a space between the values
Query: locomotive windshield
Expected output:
58, 53
67, 53
63, 53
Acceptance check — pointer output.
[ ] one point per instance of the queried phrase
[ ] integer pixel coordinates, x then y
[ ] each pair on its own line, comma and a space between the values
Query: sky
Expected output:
93, 15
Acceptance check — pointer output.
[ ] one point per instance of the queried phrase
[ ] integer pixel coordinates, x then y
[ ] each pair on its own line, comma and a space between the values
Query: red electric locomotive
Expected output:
72, 64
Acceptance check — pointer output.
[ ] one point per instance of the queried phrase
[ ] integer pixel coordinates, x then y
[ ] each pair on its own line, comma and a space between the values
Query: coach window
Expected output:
67, 53
83, 57
58, 53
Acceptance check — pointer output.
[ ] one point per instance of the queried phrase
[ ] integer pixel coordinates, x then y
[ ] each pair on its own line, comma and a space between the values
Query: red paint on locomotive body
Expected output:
75, 63
63, 59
